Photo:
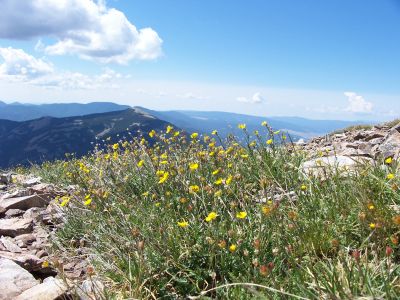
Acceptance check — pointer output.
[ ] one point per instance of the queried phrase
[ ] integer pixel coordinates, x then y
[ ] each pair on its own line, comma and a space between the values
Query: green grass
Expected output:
334, 238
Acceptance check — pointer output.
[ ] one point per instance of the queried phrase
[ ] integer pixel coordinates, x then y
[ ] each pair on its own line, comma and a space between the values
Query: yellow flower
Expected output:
194, 166
266, 210
390, 176
215, 172
229, 179
164, 156
145, 194
388, 160
241, 215
140, 163
269, 142
194, 188
218, 181
211, 216
45, 264
164, 178
372, 225
218, 193
115, 146
264, 123
169, 128
194, 135
277, 132
176, 133
371, 207
303, 187
87, 201
214, 132
65, 200
232, 248
164, 162
152, 133
244, 155
242, 126
183, 224
157, 204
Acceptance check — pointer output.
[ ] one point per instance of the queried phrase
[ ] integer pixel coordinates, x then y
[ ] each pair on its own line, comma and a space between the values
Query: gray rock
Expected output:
9, 245
14, 213
31, 181
14, 226
91, 289
24, 203
50, 289
391, 145
24, 240
27, 261
14, 280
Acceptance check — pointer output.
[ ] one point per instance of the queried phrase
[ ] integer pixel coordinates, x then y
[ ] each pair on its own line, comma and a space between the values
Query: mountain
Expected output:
23, 112
226, 123
49, 138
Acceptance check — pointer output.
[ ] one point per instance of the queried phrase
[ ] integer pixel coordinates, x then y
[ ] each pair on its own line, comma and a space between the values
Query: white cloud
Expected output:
19, 66
257, 98
357, 104
81, 27
191, 96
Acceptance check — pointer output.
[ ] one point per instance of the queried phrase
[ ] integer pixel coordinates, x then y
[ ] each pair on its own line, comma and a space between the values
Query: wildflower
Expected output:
263, 270
194, 188
214, 132
88, 200
252, 144
390, 176
244, 155
292, 215
194, 166
164, 178
241, 215
264, 123
65, 200
303, 188
388, 251
232, 248
152, 133
222, 244
183, 224
277, 132
269, 142
242, 126
164, 162
45, 264
394, 239
194, 135
140, 163
115, 146
183, 200
215, 172
164, 156
169, 128
266, 210
218, 193
371, 206
145, 194
160, 173
176, 133
157, 204
211, 216
356, 254
218, 181
229, 179
388, 160
396, 220
372, 225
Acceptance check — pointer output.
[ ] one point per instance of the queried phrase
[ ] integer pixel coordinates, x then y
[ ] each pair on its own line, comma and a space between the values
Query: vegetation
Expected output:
171, 216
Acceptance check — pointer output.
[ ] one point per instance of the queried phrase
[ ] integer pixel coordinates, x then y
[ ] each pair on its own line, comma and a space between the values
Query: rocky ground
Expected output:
28, 270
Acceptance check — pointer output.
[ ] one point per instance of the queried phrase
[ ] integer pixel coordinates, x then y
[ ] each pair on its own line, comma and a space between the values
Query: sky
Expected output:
316, 59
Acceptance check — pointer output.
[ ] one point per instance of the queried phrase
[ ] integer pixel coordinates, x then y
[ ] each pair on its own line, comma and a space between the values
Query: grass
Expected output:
178, 217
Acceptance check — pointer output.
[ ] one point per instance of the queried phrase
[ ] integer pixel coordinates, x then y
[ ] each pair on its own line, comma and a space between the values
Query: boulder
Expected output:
50, 289
9, 244
24, 203
390, 147
27, 261
14, 226
14, 280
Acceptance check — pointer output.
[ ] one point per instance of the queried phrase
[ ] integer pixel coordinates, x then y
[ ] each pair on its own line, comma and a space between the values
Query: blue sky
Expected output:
319, 59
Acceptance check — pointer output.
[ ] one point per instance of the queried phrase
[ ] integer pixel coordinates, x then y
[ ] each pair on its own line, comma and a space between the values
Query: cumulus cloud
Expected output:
18, 66
357, 104
257, 98
85, 28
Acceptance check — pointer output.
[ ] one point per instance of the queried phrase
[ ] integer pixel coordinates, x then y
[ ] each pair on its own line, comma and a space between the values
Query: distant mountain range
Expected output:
23, 112
35, 133
49, 138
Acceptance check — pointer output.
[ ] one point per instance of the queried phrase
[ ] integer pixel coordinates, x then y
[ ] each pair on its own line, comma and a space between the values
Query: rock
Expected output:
25, 240
33, 213
27, 261
91, 289
5, 178
321, 166
390, 147
50, 289
14, 280
42, 253
24, 203
14, 213
3, 187
31, 181
14, 226
9, 245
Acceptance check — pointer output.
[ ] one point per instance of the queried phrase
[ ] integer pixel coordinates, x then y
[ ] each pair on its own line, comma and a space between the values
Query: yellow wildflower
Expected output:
229, 179
164, 162
152, 133
115, 146
388, 160
183, 224
269, 142
242, 126
214, 132
264, 123
218, 193
194, 135
215, 172
372, 225
218, 181
371, 206
232, 248
194, 166
390, 176
160, 173
87, 201
65, 200
194, 188
241, 215
211, 216
266, 210
140, 163
244, 155
169, 128
164, 178
45, 264
303, 187
176, 133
